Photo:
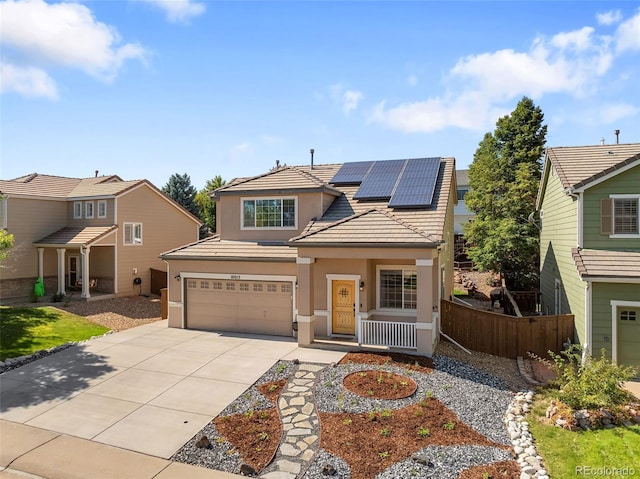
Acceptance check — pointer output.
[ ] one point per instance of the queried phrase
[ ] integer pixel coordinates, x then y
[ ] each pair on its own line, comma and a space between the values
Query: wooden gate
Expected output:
503, 335
158, 281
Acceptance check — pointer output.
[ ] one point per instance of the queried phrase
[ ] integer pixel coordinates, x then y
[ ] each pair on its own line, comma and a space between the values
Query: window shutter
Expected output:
606, 216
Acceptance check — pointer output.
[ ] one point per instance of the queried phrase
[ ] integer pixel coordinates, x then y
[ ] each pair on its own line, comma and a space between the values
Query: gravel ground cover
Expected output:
479, 399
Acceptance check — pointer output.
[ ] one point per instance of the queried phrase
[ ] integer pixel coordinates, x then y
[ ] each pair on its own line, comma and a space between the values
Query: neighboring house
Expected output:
361, 251
461, 214
588, 204
90, 235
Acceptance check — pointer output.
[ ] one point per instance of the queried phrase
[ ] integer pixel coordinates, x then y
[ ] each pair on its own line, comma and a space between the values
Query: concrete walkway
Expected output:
122, 404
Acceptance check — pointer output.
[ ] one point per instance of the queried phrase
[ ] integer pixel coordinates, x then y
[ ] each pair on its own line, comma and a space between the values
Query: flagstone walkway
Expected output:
300, 424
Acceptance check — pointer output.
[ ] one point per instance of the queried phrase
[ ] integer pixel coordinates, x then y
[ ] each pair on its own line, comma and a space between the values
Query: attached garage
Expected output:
259, 307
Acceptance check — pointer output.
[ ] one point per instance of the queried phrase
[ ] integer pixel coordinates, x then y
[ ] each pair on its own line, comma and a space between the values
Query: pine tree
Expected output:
504, 179
179, 188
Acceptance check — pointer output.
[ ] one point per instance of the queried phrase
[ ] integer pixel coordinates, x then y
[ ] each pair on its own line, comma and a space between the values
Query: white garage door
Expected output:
261, 307
629, 336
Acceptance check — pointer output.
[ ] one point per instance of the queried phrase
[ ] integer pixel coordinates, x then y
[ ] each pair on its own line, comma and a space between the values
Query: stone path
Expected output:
300, 425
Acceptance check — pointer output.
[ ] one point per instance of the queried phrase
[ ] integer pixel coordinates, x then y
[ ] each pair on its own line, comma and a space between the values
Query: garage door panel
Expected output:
261, 307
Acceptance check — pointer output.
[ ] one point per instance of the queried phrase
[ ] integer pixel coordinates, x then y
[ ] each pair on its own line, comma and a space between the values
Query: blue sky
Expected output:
148, 88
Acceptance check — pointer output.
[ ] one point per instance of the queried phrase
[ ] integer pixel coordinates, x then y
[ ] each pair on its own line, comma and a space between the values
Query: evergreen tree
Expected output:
207, 206
179, 188
504, 179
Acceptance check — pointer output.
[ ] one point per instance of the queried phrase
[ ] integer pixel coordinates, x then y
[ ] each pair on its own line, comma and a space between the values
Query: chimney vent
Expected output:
97, 173
312, 151
602, 140
617, 132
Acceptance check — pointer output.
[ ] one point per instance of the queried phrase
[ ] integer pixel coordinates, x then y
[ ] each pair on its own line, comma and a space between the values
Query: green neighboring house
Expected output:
588, 204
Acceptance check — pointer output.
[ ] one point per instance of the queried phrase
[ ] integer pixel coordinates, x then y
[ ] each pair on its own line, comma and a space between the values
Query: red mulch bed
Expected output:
380, 385
420, 364
496, 470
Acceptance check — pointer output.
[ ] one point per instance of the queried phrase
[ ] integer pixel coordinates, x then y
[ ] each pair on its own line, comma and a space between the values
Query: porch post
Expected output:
61, 281
424, 306
306, 305
41, 263
84, 251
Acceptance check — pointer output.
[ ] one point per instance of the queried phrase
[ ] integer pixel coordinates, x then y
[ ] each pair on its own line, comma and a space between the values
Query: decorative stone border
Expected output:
530, 461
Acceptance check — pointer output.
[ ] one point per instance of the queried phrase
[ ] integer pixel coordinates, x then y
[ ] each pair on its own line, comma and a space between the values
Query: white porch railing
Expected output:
388, 333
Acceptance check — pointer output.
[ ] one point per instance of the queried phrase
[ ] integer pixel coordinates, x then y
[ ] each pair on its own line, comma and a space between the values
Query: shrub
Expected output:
590, 384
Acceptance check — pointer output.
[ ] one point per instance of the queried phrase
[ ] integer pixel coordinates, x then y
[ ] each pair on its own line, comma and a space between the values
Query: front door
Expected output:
73, 271
343, 306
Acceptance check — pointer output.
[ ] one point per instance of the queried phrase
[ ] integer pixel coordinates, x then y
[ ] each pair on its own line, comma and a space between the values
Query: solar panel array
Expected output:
380, 181
406, 183
352, 173
417, 184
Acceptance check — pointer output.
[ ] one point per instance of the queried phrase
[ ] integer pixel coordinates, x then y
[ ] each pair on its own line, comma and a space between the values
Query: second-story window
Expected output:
269, 213
102, 209
77, 210
133, 233
88, 209
625, 216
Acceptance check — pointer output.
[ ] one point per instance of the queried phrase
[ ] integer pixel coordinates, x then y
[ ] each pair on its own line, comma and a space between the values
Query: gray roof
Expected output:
594, 264
462, 177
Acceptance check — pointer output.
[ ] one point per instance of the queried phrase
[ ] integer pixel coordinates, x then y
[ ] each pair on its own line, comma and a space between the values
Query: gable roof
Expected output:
69, 189
365, 228
349, 221
282, 179
601, 264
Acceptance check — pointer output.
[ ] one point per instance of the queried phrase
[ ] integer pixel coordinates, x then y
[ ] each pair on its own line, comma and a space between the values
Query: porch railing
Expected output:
388, 333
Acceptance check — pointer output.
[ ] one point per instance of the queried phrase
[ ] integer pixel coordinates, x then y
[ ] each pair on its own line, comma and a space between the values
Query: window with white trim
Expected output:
77, 210
133, 233
398, 289
269, 213
88, 209
102, 208
625, 216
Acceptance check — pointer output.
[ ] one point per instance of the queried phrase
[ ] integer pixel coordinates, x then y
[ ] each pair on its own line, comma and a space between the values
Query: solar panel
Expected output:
351, 173
417, 184
380, 181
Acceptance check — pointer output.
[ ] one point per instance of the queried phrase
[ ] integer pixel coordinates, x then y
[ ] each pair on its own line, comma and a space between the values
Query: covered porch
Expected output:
79, 260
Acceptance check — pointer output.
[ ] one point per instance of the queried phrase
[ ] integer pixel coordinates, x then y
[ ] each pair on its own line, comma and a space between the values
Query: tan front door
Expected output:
343, 306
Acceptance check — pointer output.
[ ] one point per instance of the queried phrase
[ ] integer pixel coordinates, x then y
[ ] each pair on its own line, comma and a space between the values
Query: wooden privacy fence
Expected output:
158, 281
503, 335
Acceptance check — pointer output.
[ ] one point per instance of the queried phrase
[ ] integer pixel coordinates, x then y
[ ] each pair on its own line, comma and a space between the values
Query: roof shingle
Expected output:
593, 263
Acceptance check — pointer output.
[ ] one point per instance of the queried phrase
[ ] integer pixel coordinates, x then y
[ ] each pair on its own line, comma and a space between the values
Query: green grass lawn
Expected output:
27, 330
564, 452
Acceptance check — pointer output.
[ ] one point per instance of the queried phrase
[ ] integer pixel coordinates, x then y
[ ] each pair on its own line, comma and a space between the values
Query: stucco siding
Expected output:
164, 227
308, 205
627, 182
21, 222
603, 294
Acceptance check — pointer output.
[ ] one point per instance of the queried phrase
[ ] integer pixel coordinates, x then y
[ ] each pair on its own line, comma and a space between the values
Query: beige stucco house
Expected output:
360, 251
103, 229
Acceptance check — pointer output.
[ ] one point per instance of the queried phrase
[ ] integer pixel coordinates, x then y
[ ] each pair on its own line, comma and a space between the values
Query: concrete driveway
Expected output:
148, 389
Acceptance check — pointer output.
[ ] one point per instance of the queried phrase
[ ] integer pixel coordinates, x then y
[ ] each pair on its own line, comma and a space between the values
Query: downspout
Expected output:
586, 347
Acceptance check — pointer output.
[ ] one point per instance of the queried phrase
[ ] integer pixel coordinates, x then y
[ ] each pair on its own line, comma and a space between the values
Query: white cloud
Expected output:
611, 113
628, 34
27, 81
63, 34
179, 10
348, 99
479, 86
609, 18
